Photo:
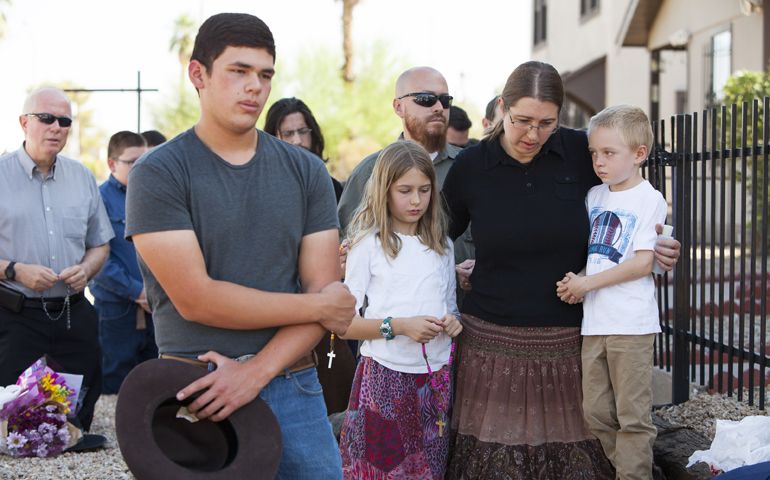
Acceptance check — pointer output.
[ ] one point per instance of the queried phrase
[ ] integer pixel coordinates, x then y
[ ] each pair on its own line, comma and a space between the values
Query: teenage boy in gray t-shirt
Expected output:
236, 234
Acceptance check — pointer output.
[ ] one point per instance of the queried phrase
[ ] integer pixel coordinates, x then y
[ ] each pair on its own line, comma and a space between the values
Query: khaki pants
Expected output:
617, 399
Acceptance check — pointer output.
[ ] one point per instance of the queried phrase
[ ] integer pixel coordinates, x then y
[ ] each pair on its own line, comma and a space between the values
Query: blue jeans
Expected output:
123, 346
309, 448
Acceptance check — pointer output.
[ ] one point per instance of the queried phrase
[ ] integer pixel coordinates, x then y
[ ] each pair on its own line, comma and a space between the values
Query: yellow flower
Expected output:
46, 382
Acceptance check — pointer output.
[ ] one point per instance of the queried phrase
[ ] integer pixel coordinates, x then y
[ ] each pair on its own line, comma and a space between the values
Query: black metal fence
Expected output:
713, 170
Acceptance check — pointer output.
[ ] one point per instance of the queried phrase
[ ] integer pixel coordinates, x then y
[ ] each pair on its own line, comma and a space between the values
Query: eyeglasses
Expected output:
290, 133
130, 163
525, 127
48, 119
428, 99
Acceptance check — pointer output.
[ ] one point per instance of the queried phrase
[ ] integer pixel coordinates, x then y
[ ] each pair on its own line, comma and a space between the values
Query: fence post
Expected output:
681, 211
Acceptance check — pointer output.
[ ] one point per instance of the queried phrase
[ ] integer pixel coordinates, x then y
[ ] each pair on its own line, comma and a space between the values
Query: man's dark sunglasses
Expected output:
48, 119
428, 99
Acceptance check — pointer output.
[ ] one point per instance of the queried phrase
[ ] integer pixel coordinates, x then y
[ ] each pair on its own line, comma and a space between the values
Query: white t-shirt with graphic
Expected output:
622, 223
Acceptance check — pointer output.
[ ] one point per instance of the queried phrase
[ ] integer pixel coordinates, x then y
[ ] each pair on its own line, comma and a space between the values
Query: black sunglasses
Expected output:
428, 99
48, 119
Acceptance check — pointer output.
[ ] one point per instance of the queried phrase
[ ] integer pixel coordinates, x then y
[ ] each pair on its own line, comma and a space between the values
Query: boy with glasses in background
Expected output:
126, 330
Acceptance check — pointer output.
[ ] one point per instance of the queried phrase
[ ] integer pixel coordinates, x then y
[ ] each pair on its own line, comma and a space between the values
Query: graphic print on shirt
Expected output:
611, 233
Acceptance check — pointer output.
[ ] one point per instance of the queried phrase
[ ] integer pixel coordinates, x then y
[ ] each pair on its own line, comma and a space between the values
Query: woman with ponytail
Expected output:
518, 397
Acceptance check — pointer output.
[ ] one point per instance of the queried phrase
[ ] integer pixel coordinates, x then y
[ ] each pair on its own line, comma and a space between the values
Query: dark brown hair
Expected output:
154, 138
230, 30
285, 107
123, 140
532, 79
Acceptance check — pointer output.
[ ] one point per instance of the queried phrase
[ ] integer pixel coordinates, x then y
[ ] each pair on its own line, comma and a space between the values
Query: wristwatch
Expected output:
10, 273
386, 330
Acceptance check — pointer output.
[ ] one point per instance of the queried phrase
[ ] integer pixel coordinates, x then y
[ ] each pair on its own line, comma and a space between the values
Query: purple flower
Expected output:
42, 450
51, 408
37, 432
46, 428
15, 441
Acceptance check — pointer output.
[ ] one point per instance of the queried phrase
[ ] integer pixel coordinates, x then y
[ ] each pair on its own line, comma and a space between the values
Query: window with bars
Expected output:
540, 31
588, 7
718, 66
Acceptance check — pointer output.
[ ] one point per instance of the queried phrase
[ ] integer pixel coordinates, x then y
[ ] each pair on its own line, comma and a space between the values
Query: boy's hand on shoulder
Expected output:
338, 307
451, 325
572, 288
420, 328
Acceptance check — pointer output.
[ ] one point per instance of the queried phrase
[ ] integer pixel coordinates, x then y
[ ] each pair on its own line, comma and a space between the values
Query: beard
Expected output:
431, 138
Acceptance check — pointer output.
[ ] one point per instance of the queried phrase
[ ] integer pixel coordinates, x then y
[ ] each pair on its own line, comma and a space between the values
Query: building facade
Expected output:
667, 56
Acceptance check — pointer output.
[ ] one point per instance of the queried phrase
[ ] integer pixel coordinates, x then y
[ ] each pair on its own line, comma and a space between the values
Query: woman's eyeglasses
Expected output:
525, 127
288, 134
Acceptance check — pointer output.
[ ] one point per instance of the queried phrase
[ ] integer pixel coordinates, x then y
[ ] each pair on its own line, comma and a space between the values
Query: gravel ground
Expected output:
106, 463
702, 410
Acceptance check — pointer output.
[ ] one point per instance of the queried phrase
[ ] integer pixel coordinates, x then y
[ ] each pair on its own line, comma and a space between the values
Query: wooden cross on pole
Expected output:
138, 91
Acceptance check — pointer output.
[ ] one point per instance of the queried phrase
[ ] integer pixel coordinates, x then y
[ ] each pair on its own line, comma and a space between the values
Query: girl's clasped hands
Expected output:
424, 328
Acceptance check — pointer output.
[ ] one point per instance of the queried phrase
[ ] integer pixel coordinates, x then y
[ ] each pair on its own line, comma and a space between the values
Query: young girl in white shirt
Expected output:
402, 262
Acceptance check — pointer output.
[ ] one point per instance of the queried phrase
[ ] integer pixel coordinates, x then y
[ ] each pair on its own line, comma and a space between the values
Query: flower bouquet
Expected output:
33, 413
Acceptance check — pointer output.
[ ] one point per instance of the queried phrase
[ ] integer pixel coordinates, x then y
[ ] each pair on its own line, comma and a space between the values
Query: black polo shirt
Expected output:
529, 224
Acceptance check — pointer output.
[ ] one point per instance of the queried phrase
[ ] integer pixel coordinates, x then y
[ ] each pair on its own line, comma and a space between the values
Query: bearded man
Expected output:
422, 101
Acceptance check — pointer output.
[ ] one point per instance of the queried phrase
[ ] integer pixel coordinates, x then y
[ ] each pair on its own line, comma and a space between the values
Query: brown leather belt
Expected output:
310, 360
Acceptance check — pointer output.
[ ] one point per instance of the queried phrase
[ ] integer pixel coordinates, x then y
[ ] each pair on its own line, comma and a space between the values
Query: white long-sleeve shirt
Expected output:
418, 281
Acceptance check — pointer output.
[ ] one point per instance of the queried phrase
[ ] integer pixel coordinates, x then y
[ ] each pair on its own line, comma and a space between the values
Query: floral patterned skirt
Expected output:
394, 428
518, 406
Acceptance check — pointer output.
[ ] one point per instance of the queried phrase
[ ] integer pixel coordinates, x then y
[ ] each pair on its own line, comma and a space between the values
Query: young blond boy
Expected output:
620, 312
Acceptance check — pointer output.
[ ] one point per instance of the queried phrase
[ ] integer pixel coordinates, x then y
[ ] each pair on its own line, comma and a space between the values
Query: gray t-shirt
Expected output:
249, 220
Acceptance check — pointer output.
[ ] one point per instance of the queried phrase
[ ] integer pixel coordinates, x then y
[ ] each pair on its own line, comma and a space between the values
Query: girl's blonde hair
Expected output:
372, 214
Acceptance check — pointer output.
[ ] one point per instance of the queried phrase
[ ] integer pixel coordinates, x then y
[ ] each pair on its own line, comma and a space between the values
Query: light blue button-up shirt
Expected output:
49, 221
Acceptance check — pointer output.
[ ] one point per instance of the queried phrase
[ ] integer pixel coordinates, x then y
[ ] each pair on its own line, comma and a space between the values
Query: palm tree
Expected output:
183, 40
347, 39
173, 117
3, 20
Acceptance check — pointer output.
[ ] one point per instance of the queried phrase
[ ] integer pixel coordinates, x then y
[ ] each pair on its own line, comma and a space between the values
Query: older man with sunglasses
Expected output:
54, 234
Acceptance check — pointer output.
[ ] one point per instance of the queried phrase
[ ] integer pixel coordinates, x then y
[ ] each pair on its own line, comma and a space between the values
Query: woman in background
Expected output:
292, 121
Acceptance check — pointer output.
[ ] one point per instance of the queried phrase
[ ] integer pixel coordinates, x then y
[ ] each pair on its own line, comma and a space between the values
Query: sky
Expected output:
102, 44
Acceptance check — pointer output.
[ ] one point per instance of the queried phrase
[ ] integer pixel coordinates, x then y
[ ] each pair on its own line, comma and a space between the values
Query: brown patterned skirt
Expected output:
518, 406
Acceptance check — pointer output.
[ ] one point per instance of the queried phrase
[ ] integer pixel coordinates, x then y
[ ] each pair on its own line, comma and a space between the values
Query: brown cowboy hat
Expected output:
156, 444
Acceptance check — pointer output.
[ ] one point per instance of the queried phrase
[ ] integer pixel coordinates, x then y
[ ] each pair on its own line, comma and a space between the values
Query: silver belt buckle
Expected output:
244, 358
